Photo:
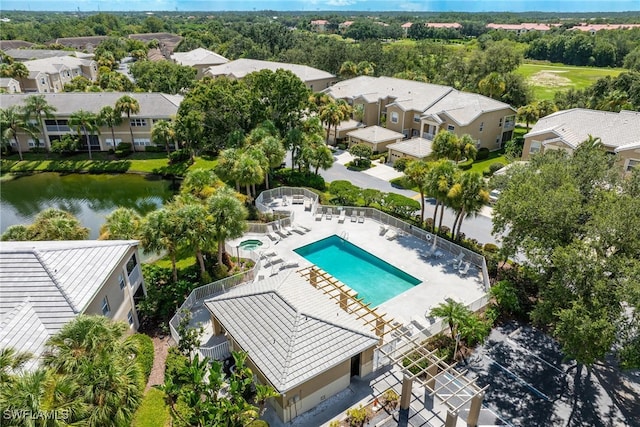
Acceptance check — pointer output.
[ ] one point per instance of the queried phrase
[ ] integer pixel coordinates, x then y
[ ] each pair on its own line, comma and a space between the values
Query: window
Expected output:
31, 143
416, 118
42, 81
500, 122
142, 141
121, 282
632, 164
105, 306
110, 143
451, 128
394, 117
138, 122
535, 147
481, 126
131, 264
130, 318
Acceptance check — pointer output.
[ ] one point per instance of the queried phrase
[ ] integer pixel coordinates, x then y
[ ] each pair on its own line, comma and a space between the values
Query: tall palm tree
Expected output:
93, 351
274, 151
201, 183
37, 106
248, 171
87, 122
12, 121
228, 216
195, 224
121, 224
56, 224
163, 133
441, 179
159, 234
226, 168
110, 117
348, 70
453, 312
418, 173
128, 105
493, 85
445, 145
466, 148
333, 113
467, 196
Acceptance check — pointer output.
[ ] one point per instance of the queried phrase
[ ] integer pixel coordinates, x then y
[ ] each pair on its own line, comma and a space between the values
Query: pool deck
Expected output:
439, 280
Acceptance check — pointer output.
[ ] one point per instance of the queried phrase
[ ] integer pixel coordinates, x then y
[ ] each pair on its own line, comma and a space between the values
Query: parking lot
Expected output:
531, 385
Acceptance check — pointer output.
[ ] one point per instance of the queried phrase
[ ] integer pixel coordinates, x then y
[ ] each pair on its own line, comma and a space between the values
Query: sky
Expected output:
326, 5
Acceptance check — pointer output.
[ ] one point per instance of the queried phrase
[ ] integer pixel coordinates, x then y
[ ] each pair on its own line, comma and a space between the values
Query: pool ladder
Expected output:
344, 235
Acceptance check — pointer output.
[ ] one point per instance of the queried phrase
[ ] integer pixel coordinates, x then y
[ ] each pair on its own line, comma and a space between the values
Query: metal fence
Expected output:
217, 352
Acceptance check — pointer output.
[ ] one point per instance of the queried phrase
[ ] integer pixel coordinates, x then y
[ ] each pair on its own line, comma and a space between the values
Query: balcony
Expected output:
135, 277
427, 135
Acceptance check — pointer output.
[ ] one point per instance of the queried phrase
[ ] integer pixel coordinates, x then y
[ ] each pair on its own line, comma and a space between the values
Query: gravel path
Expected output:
160, 349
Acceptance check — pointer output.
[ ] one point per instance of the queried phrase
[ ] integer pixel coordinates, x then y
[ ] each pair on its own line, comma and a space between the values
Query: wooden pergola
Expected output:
454, 389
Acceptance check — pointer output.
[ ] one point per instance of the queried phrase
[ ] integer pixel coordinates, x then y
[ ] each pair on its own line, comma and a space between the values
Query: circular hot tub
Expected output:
250, 245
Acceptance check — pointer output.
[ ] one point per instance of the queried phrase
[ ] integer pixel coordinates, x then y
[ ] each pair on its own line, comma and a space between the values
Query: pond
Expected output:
89, 197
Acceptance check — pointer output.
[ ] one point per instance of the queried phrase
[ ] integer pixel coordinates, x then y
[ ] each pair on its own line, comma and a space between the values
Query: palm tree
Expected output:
93, 352
493, 85
56, 224
12, 121
274, 151
418, 173
37, 105
159, 234
466, 148
366, 68
248, 171
201, 183
333, 113
441, 179
467, 197
445, 145
348, 70
321, 157
226, 168
195, 225
11, 361
163, 133
128, 105
110, 117
228, 216
453, 312
529, 113
87, 122
121, 224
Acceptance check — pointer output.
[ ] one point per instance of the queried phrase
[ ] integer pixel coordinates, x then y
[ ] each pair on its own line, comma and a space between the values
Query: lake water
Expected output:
89, 197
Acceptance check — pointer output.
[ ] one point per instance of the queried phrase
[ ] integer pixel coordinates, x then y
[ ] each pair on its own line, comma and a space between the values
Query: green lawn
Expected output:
494, 157
547, 79
153, 412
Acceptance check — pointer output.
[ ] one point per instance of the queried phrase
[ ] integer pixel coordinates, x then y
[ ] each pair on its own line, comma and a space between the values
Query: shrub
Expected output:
124, 146
490, 248
390, 399
483, 154
295, 178
486, 173
179, 156
145, 354
154, 149
377, 156
506, 296
37, 150
401, 164
344, 192
342, 145
65, 145
121, 154
359, 164
176, 363
400, 205
357, 416
466, 165
494, 167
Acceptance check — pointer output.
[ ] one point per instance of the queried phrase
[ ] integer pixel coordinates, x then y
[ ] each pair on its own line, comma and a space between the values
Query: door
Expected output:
355, 365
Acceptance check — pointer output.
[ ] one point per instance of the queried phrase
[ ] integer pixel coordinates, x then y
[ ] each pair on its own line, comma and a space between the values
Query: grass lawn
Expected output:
181, 263
547, 79
153, 412
494, 157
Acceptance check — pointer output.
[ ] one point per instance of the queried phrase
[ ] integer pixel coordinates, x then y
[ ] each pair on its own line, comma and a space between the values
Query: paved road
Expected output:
478, 228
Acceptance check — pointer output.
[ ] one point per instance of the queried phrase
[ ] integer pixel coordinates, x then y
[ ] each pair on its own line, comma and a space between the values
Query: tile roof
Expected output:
443, 25
53, 65
198, 56
152, 105
375, 134
28, 54
574, 126
241, 67
14, 44
44, 285
416, 147
462, 107
292, 331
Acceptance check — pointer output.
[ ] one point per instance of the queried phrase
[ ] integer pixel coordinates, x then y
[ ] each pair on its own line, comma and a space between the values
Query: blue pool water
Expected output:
375, 280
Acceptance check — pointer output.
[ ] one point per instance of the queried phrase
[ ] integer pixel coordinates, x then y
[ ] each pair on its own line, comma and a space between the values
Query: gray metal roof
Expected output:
416, 147
292, 331
152, 105
462, 107
241, 67
574, 126
44, 285
27, 54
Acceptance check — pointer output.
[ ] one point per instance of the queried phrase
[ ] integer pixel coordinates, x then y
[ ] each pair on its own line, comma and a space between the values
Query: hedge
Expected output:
466, 165
145, 353
295, 178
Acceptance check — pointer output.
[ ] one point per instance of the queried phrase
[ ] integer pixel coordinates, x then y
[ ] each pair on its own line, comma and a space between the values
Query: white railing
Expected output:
217, 352
135, 276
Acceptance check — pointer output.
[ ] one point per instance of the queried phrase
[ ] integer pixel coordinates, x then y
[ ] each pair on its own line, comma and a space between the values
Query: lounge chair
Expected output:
329, 214
285, 201
361, 217
456, 262
271, 234
383, 229
307, 229
268, 254
342, 216
391, 234
288, 264
432, 250
465, 270
354, 217
281, 233
297, 199
297, 229
319, 216
273, 260
307, 204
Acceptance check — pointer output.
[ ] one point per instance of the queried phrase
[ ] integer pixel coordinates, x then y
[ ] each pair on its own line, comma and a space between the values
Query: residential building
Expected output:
377, 137
344, 26
9, 85
88, 43
405, 28
297, 338
423, 109
413, 149
594, 28
319, 25
316, 80
153, 107
167, 42
199, 58
14, 44
521, 28
51, 74
45, 285
565, 130
22, 55
452, 25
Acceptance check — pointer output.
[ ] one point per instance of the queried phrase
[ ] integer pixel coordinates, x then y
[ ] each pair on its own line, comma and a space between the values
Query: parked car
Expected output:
493, 196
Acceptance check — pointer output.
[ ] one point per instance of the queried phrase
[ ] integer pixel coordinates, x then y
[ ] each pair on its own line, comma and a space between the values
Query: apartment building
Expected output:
48, 75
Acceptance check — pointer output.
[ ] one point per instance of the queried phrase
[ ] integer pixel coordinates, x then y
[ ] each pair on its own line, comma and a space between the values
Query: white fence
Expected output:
216, 352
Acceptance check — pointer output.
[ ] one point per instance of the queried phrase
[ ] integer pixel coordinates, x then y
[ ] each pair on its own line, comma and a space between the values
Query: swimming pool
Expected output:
375, 280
